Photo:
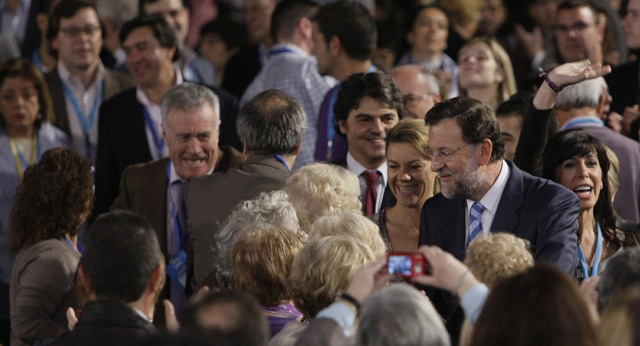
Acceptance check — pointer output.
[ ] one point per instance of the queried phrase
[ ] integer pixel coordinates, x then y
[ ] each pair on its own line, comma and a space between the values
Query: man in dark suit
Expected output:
369, 105
80, 83
482, 192
271, 127
130, 128
122, 271
191, 125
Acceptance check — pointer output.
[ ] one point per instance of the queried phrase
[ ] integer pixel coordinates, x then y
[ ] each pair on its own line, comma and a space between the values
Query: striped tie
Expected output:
475, 222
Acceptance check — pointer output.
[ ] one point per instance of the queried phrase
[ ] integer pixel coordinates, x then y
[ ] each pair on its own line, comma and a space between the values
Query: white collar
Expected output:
356, 168
491, 199
142, 97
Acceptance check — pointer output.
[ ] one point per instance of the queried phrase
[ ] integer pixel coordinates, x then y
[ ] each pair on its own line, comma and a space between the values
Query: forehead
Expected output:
162, 6
138, 35
202, 117
476, 48
572, 15
84, 16
410, 80
15, 82
432, 14
446, 134
373, 107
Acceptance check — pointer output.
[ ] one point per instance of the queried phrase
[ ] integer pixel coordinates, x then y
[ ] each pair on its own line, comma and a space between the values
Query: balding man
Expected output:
419, 88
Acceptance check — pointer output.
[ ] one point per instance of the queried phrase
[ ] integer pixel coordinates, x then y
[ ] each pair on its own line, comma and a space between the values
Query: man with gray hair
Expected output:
579, 107
113, 14
419, 87
190, 128
271, 127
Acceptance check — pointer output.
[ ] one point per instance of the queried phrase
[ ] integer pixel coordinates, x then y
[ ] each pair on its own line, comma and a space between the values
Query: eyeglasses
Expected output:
443, 154
74, 31
577, 27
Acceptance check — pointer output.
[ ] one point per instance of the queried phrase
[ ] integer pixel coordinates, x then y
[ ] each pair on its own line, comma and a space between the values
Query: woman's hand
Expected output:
575, 72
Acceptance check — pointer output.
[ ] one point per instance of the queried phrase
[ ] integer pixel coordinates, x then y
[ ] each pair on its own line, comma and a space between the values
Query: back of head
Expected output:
261, 262
400, 316
378, 86
322, 189
162, 31
120, 11
121, 253
621, 273
493, 257
619, 322
269, 209
287, 14
584, 94
272, 122
323, 269
231, 31
475, 118
352, 224
352, 24
54, 198
541, 306
231, 318
516, 105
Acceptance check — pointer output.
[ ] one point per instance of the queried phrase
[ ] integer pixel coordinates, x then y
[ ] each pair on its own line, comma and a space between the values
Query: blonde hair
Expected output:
614, 172
321, 189
507, 87
493, 257
351, 224
620, 319
323, 269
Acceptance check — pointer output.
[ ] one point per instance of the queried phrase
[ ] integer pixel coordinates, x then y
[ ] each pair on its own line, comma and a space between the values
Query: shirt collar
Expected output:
173, 174
142, 97
69, 78
356, 168
491, 199
582, 121
289, 46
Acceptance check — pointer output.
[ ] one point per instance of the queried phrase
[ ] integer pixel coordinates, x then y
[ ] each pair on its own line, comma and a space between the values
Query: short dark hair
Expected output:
621, 273
248, 326
352, 24
185, 4
287, 14
162, 31
121, 252
475, 119
378, 86
66, 9
518, 104
272, 122
573, 4
231, 31
568, 144
54, 198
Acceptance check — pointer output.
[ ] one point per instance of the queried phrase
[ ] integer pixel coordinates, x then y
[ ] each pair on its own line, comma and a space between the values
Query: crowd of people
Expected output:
237, 172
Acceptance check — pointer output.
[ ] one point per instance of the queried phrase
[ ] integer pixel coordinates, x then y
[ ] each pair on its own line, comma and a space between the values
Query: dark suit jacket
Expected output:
143, 189
241, 69
122, 140
388, 199
624, 86
107, 323
114, 82
535, 209
210, 200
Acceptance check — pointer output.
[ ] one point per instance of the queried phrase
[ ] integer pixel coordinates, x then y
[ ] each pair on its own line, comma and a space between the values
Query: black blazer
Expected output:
388, 199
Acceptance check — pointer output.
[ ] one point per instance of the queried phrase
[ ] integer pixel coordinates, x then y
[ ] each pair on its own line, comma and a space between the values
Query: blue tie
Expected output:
475, 222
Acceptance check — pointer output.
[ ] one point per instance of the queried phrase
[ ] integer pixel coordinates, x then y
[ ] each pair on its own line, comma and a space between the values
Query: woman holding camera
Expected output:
412, 183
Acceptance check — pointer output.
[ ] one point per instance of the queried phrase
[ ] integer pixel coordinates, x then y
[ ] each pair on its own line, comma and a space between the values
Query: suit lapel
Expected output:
59, 102
506, 218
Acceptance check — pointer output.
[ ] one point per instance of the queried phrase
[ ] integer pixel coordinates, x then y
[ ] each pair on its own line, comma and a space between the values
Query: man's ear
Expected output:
156, 283
305, 28
343, 126
335, 46
486, 149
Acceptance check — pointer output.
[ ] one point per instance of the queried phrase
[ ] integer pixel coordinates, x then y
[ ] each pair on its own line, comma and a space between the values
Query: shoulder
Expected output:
118, 102
142, 170
50, 255
535, 190
123, 79
52, 137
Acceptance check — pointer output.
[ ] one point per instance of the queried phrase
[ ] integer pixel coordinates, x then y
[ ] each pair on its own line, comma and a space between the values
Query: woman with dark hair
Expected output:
541, 306
25, 133
579, 161
51, 205
427, 40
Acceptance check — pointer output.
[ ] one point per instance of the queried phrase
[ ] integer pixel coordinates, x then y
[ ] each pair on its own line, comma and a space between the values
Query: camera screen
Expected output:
400, 265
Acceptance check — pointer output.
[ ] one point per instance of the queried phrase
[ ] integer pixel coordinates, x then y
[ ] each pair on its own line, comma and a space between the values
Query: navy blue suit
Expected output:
535, 209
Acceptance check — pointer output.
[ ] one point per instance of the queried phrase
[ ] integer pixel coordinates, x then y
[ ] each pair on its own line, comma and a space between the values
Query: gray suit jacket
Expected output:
114, 82
210, 199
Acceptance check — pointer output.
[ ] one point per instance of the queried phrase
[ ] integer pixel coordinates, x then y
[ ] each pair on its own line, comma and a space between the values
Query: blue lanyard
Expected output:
158, 141
35, 57
86, 122
277, 51
281, 159
596, 261
80, 250
583, 122
182, 240
26, 162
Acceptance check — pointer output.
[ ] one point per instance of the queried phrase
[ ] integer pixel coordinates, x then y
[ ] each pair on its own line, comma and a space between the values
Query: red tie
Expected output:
371, 195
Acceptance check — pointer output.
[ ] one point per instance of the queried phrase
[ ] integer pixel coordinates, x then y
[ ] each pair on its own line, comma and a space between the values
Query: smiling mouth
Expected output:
406, 189
194, 161
583, 191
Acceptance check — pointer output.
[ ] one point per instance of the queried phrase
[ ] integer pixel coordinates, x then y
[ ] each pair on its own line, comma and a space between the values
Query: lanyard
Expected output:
35, 57
583, 122
596, 261
182, 240
79, 250
281, 159
158, 141
277, 51
86, 122
20, 160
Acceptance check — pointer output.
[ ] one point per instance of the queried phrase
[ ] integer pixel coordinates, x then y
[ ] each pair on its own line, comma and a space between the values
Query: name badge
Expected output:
177, 268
